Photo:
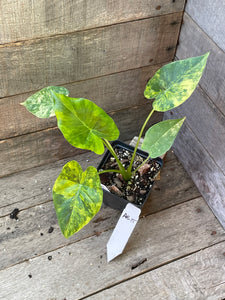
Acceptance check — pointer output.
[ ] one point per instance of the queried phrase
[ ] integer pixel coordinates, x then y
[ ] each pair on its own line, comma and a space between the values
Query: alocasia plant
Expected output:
77, 194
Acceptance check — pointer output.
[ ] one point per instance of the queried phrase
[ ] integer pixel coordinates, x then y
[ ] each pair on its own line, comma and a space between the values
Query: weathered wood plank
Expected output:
26, 151
193, 41
199, 276
210, 17
31, 229
36, 207
206, 174
40, 19
173, 187
34, 149
33, 187
172, 234
112, 92
207, 123
88, 54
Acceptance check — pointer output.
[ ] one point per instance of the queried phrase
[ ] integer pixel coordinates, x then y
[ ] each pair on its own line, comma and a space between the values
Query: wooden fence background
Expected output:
201, 144
102, 50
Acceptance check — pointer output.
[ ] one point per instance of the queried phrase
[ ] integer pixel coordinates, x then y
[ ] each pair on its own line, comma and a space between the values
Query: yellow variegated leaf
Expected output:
175, 82
77, 197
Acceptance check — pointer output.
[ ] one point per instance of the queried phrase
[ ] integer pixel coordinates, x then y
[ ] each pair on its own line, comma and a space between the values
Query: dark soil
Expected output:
50, 230
137, 188
14, 213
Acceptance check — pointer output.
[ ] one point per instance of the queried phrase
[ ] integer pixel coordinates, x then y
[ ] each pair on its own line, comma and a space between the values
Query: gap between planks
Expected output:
174, 233
37, 39
199, 292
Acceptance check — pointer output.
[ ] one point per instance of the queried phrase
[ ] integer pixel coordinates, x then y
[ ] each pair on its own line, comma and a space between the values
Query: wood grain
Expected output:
87, 54
31, 193
199, 276
210, 17
202, 154
208, 177
35, 149
112, 92
33, 187
194, 41
207, 123
172, 234
40, 18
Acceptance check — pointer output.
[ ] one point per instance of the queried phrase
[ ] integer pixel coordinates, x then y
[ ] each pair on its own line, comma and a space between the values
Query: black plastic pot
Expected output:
113, 200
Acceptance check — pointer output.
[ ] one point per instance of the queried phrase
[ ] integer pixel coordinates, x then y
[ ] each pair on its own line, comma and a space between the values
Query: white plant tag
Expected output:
122, 231
105, 188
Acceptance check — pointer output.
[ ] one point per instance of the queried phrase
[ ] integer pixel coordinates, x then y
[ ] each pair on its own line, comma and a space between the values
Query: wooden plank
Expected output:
40, 19
207, 123
33, 187
199, 276
88, 54
172, 234
35, 149
206, 174
36, 209
210, 17
173, 187
112, 92
31, 229
193, 42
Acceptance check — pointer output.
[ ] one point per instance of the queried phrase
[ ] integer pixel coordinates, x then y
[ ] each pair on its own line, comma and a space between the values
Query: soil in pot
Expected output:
137, 188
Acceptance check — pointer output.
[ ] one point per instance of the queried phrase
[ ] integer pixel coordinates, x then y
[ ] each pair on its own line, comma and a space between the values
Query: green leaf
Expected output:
41, 103
160, 137
77, 197
175, 82
83, 123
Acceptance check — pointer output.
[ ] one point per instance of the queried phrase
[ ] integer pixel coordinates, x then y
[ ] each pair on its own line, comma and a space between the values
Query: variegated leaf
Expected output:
77, 197
175, 82
41, 103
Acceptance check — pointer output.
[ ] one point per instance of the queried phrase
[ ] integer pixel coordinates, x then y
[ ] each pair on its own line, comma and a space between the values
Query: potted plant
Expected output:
78, 194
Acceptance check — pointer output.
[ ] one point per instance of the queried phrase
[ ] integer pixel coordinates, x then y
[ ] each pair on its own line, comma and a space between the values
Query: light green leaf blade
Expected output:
160, 137
175, 82
77, 197
83, 123
41, 103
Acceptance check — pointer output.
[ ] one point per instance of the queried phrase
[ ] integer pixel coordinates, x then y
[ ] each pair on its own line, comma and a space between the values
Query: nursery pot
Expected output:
112, 200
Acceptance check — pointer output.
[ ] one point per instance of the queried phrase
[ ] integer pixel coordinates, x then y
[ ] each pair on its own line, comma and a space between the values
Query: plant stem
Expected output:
140, 165
109, 171
123, 171
138, 141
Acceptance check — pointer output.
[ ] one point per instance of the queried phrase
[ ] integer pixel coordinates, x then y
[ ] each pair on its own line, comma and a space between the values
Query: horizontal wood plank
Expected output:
31, 192
193, 41
112, 92
172, 234
210, 17
174, 186
88, 54
40, 19
33, 187
205, 173
35, 149
199, 276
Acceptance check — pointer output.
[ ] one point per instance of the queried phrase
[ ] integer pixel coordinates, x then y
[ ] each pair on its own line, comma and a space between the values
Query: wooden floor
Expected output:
177, 250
